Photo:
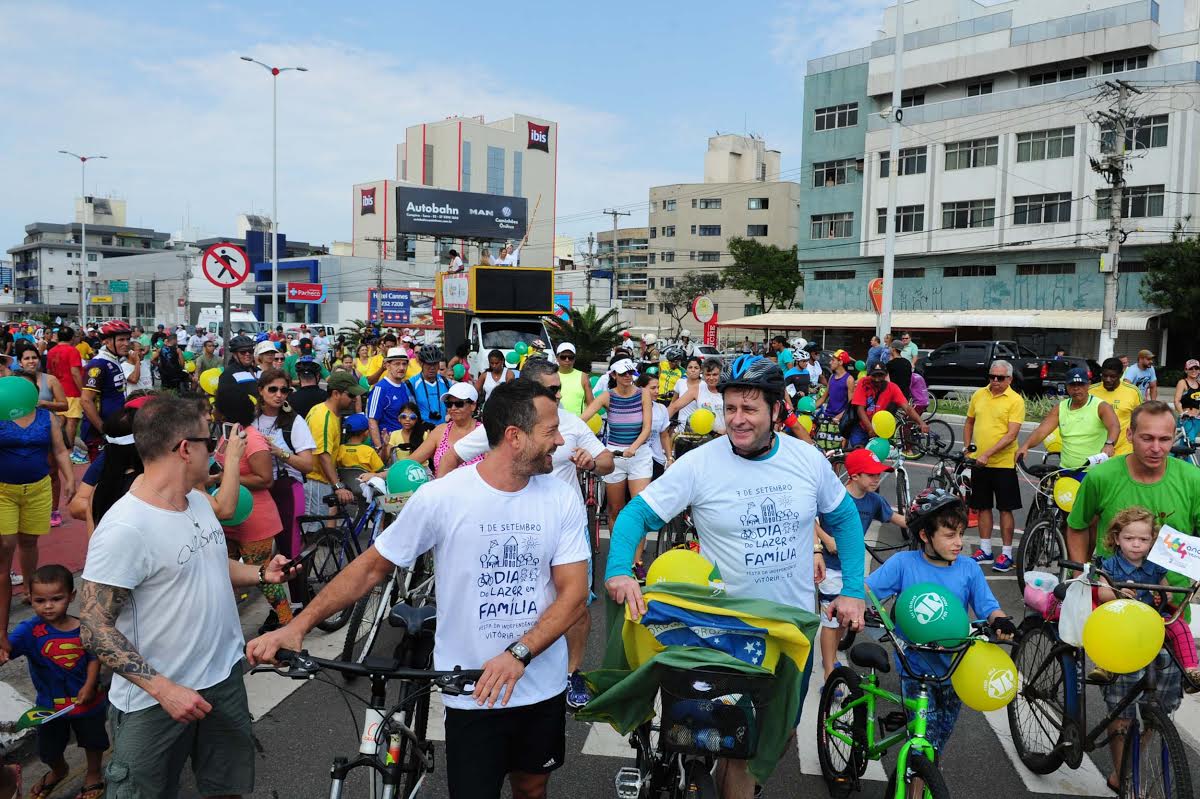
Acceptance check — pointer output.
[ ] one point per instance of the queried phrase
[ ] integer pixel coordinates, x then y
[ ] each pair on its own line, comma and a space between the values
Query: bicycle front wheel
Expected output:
366, 620
841, 763
330, 557
1155, 764
1038, 713
918, 768
1041, 548
939, 442
931, 409
902, 496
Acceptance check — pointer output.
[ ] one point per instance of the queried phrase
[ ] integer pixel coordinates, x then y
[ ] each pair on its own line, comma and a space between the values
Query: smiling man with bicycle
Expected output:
754, 498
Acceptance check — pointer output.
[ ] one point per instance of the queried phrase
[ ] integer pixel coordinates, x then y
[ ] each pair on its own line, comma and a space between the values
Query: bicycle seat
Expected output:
1182, 450
417, 622
1042, 469
870, 656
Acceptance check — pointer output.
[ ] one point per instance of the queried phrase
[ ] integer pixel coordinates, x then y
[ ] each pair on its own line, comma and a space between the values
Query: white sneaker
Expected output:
16, 579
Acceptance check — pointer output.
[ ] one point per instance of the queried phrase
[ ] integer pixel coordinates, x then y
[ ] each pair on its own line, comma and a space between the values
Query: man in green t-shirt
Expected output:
1149, 476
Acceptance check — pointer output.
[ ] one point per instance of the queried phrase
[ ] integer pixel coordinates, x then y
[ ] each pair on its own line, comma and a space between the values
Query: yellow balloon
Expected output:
884, 423
680, 566
595, 424
701, 421
807, 423
1123, 635
986, 677
208, 380
1052, 442
1066, 489
189, 367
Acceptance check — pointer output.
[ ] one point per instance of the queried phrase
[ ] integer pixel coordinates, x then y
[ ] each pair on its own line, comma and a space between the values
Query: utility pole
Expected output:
379, 264
615, 214
1112, 167
590, 265
889, 245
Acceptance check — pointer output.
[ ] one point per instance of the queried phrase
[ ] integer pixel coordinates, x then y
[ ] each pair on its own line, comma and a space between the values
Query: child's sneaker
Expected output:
1100, 675
578, 694
78, 460
982, 557
1192, 684
15, 579
55, 519
1002, 563
639, 572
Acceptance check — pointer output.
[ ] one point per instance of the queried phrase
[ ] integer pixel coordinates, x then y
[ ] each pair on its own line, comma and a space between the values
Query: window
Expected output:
1057, 75
668, 205
1141, 134
1039, 145
668, 230
828, 173
1133, 266
972, 153
92, 257
1045, 269
1136, 201
106, 240
653, 259
909, 219
836, 116
427, 171
518, 170
667, 258
976, 89
1126, 64
1039, 209
653, 232
832, 226
759, 203
969, 213
909, 99
708, 256
693, 230
691, 255
668, 282
969, 271
912, 162
911, 272
833, 274
495, 170
751, 309
756, 230
693, 203
650, 307
710, 230
651, 281
711, 204
466, 166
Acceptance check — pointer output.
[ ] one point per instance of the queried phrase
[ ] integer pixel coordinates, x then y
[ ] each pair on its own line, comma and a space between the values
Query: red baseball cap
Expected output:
864, 461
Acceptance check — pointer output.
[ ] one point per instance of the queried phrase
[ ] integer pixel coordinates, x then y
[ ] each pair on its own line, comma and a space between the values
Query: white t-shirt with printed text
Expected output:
494, 549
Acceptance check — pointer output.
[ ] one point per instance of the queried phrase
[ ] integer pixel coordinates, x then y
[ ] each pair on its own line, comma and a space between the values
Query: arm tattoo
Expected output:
99, 607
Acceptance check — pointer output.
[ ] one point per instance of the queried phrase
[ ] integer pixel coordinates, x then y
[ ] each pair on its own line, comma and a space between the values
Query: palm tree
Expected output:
593, 335
355, 332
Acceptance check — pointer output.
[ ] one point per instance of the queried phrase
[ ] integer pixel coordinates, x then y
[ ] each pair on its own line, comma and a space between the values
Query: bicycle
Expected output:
592, 488
957, 478
1048, 716
407, 756
678, 532
335, 546
847, 718
1184, 449
706, 713
1043, 543
938, 441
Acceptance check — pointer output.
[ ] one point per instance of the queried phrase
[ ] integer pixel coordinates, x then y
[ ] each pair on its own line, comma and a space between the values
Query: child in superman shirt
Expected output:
63, 673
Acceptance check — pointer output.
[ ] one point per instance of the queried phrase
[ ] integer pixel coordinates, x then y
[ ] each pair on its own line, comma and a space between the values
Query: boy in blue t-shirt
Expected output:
865, 471
938, 525
63, 673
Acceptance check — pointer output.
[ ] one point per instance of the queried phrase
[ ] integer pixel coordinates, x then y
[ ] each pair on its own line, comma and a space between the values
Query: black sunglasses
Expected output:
285, 390
211, 443
566, 356
995, 378
456, 403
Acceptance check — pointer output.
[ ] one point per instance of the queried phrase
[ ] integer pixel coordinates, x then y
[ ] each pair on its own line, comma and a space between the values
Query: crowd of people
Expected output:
202, 455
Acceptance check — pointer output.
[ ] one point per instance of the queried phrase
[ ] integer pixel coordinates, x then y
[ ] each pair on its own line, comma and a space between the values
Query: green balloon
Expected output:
859, 365
806, 405
927, 613
512, 358
18, 397
459, 371
406, 476
245, 505
881, 447
188, 355
521, 347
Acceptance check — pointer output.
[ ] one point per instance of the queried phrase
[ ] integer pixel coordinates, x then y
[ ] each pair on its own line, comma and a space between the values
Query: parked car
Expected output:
1053, 372
964, 365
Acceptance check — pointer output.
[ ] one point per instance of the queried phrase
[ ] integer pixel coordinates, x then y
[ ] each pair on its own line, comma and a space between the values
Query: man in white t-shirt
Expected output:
136, 369
510, 531
157, 572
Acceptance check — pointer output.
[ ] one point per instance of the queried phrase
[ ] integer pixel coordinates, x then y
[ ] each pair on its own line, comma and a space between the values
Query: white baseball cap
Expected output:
462, 391
566, 346
265, 346
623, 366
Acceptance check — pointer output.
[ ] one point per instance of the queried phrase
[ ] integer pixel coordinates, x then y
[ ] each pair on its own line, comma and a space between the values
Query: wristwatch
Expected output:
520, 652
338, 486
1110, 443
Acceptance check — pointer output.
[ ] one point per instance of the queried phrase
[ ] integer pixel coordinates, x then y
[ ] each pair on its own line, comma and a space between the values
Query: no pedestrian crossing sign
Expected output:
225, 265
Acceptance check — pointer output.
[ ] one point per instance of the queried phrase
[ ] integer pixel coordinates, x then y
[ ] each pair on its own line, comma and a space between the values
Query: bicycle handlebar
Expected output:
302, 666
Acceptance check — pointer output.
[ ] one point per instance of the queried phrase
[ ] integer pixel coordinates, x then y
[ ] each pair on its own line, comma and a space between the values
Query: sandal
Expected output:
1114, 788
94, 791
44, 787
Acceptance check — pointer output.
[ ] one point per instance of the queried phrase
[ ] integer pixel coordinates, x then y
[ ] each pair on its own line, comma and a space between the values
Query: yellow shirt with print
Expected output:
993, 414
1124, 398
359, 456
85, 351
326, 428
667, 378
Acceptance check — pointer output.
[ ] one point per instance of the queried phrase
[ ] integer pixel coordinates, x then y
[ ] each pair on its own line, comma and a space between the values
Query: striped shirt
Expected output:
624, 418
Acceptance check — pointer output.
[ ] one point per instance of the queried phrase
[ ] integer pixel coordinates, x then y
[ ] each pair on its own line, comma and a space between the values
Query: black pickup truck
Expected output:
963, 366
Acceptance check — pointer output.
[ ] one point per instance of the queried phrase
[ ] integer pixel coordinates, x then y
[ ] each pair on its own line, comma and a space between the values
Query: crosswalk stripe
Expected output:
1083, 781
805, 746
265, 691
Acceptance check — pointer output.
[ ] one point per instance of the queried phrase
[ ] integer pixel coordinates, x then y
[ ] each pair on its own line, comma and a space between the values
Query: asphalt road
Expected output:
301, 726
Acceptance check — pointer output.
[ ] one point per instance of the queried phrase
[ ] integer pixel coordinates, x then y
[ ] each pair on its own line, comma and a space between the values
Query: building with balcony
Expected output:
1001, 221
629, 271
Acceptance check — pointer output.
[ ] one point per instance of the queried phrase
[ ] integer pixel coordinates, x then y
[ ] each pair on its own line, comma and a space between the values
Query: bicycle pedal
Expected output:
893, 721
628, 783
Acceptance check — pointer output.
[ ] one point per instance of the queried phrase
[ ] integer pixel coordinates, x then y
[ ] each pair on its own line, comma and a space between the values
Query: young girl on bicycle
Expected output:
1130, 536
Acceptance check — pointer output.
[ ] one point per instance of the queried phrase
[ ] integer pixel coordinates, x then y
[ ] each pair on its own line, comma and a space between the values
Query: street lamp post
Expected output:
83, 159
274, 182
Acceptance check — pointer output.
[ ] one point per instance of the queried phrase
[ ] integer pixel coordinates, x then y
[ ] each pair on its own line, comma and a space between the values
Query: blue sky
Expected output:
158, 88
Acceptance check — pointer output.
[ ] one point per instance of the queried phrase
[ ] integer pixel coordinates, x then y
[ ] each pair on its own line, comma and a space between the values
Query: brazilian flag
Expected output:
687, 626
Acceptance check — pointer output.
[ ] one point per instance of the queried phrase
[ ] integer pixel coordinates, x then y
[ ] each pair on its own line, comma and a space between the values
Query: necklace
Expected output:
183, 510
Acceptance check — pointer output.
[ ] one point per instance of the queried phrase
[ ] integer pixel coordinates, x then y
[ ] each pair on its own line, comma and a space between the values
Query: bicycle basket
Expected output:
708, 711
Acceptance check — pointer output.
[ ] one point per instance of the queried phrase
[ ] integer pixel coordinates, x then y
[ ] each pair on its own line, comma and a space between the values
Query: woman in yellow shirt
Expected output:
368, 364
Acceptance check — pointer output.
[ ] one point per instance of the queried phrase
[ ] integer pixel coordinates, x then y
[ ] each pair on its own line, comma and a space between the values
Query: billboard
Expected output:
459, 214
401, 308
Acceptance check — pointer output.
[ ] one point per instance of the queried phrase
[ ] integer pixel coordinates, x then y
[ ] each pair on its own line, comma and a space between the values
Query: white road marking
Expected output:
265, 691
806, 747
1084, 781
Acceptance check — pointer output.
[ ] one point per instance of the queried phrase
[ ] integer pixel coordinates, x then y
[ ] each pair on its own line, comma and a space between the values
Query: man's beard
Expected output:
530, 464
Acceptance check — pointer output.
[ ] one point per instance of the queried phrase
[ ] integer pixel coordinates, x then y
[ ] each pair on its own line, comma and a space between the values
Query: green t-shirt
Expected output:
1108, 489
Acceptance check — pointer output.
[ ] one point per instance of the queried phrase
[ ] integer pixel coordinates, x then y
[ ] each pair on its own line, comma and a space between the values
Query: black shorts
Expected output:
53, 736
483, 746
995, 488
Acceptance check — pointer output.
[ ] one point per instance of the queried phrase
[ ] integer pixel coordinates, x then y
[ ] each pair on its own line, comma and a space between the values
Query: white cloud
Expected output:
806, 30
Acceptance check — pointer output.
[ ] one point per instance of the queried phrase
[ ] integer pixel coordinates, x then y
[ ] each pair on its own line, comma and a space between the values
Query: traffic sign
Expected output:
312, 293
225, 265
118, 286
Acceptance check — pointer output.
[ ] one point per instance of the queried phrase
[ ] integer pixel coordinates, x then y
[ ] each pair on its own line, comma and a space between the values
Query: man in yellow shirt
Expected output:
325, 422
994, 419
1124, 397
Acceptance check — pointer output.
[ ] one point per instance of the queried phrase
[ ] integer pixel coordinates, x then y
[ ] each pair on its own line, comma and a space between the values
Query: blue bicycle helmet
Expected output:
752, 371
261, 337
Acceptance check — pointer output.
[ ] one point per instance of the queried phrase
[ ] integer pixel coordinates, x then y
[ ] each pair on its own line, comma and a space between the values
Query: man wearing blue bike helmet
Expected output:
754, 497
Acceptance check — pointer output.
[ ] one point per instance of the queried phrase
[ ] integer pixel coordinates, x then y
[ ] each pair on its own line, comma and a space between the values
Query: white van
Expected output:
239, 319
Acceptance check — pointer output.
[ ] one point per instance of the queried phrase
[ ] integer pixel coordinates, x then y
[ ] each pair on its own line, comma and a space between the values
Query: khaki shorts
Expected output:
150, 748
25, 507
74, 409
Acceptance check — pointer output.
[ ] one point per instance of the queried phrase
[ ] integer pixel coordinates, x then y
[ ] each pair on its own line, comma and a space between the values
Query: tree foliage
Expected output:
676, 301
764, 271
592, 334
1172, 278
